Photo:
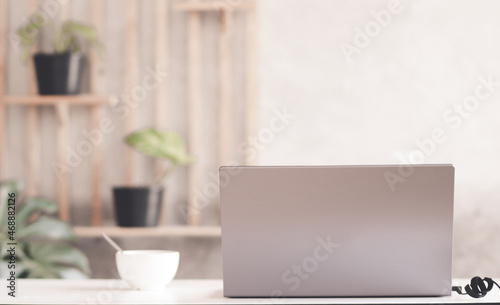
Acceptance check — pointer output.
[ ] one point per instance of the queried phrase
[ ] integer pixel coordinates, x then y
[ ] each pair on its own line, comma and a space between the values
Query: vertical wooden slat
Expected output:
97, 79
62, 111
161, 91
161, 59
32, 152
194, 97
96, 115
130, 78
65, 9
225, 59
251, 106
32, 139
3, 84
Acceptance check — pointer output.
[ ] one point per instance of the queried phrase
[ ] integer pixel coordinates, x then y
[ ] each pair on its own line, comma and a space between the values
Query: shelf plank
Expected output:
213, 5
80, 99
165, 231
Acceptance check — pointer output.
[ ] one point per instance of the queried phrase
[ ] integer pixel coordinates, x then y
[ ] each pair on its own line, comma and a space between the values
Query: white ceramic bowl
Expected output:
147, 269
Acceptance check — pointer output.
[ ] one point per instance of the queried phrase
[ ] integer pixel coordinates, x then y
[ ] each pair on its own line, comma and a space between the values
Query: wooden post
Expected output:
251, 105
33, 140
225, 59
3, 80
131, 62
62, 141
96, 116
194, 97
161, 90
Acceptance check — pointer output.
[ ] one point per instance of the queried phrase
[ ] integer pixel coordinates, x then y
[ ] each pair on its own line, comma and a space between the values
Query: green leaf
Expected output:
47, 227
64, 37
160, 144
6, 188
58, 258
34, 205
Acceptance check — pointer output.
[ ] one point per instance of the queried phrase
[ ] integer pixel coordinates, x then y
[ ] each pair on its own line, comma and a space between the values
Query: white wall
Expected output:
392, 94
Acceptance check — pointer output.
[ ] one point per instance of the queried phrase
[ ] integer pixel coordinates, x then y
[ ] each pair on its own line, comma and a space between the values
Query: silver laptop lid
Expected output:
312, 231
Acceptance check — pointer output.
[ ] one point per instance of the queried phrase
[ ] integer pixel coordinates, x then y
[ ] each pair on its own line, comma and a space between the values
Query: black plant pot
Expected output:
59, 73
137, 206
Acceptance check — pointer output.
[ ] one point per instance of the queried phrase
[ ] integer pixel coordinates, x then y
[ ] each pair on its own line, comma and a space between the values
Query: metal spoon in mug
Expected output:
111, 242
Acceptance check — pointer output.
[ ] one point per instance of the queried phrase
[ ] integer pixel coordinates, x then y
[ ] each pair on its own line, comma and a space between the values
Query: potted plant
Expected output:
59, 72
43, 243
140, 206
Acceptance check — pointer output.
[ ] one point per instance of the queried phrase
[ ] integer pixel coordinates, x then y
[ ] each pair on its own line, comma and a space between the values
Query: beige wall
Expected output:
393, 93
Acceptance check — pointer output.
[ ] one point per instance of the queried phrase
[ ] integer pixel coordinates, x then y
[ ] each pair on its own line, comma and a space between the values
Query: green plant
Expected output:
163, 144
65, 36
43, 248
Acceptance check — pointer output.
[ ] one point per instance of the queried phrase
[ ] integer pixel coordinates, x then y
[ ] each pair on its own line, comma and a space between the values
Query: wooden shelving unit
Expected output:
40, 100
169, 231
61, 103
96, 101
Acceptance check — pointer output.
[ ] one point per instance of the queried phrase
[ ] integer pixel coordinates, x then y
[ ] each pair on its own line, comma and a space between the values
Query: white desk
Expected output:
30, 291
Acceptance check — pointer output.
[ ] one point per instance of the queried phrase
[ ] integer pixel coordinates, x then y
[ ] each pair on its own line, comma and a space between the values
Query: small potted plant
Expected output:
140, 206
59, 72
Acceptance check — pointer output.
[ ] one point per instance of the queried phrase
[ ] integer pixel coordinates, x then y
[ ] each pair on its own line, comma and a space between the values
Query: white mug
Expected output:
147, 269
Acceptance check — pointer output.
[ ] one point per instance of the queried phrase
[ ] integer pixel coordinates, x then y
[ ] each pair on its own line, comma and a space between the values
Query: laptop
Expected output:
328, 231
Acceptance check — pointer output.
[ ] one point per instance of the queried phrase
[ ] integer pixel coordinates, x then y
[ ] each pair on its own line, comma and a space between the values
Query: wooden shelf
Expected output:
165, 231
213, 5
80, 99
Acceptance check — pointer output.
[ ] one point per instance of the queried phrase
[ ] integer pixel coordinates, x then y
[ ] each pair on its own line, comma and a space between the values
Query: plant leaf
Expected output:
7, 187
33, 205
160, 144
47, 227
58, 258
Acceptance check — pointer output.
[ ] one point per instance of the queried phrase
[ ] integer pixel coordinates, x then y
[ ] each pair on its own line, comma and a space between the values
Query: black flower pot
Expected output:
59, 73
137, 206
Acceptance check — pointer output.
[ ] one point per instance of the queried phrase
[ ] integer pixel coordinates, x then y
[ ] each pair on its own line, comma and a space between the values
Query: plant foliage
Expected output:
44, 248
65, 36
162, 144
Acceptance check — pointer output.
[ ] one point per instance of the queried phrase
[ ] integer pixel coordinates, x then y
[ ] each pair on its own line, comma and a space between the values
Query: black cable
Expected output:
477, 288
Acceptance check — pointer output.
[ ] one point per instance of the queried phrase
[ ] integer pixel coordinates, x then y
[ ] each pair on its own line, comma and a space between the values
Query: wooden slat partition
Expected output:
251, 105
194, 98
96, 116
3, 84
194, 10
225, 59
161, 55
131, 62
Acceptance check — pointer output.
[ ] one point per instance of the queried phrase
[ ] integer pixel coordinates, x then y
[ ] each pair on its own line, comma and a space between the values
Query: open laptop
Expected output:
320, 231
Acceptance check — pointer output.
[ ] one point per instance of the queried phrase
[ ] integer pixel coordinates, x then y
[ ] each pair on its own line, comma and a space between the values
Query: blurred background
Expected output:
282, 82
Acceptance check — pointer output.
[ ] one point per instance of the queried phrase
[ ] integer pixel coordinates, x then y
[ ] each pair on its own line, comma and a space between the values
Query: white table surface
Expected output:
31, 291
